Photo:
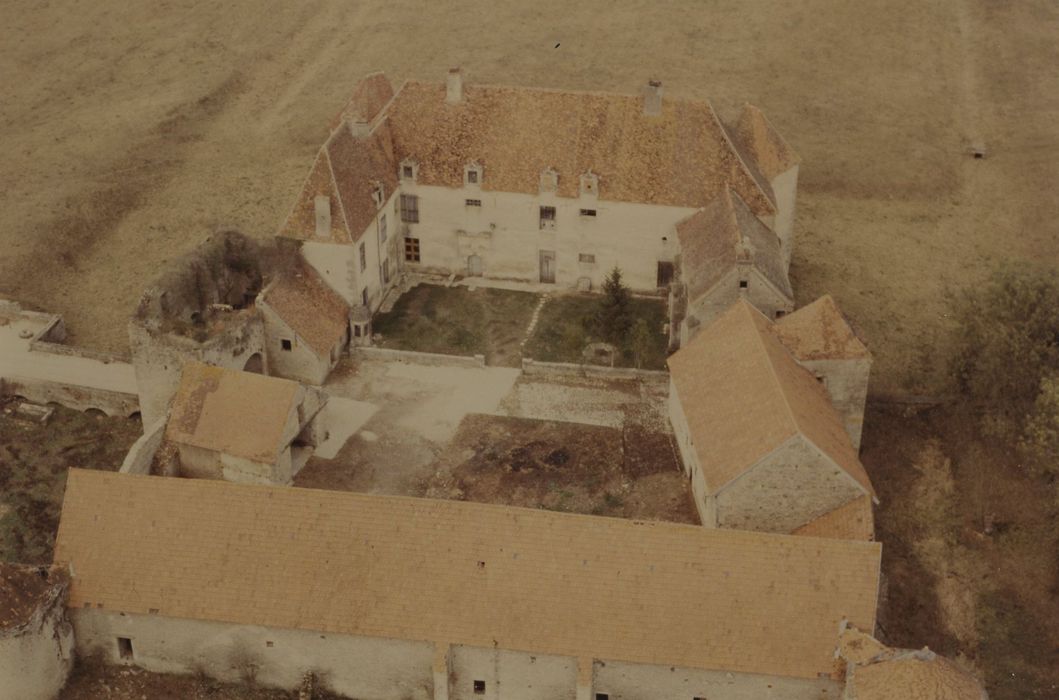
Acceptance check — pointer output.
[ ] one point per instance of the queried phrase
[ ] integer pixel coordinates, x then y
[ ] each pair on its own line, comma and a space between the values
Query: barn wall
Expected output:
847, 384
791, 486
511, 675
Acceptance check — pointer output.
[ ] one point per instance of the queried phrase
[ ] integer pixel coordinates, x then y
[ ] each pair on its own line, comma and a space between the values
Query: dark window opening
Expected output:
781, 313
364, 296
286, 344
602, 696
743, 284
124, 647
588, 212
410, 208
586, 257
473, 202
406, 172
547, 217
356, 330
268, 644
363, 258
479, 687
472, 177
665, 273
411, 249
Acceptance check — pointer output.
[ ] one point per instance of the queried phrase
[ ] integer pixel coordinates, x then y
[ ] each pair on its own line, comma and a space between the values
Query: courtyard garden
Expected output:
458, 321
579, 328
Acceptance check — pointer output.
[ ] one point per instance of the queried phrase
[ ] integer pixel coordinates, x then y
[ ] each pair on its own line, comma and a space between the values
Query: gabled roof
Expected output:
878, 672
852, 521
743, 396
763, 144
820, 331
368, 98
309, 306
715, 238
359, 163
680, 158
237, 413
464, 573
301, 222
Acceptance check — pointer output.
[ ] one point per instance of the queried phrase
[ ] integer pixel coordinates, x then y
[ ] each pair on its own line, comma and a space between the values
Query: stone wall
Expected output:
140, 456
75, 396
418, 358
847, 384
786, 489
300, 363
357, 667
36, 656
626, 681
759, 292
569, 369
690, 459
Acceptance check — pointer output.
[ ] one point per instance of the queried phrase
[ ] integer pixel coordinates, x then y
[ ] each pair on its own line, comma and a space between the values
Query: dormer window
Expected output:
409, 170
378, 194
549, 180
589, 184
472, 175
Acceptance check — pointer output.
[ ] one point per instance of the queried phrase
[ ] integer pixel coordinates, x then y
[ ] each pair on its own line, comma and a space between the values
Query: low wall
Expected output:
141, 454
421, 358
568, 369
79, 398
73, 351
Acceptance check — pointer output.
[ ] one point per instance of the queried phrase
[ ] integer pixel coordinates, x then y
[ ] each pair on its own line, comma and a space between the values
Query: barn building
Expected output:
394, 597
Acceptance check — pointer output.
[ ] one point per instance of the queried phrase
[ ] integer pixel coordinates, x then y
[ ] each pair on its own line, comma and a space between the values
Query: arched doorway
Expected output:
255, 363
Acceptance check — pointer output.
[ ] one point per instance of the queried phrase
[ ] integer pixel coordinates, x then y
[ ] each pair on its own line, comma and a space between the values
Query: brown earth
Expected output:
34, 460
561, 466
970, 549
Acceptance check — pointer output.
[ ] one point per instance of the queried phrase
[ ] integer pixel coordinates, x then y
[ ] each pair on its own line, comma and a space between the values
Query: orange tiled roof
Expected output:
743, 396
819, 331
310, 307
852, 521
764, 145
713, 239
237, 413
465, 573
368, 98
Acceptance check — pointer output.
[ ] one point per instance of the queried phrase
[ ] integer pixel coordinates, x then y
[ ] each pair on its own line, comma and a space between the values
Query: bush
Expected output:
1007, 344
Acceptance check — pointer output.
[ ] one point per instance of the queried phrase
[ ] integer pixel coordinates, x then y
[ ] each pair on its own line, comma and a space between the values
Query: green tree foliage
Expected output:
614, 318
1007, 354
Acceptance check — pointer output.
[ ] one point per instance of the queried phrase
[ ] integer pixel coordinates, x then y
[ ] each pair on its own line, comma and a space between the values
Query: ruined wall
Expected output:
692, 467
36, 656
77, 397
200, 463
788, 488
626, 681
140, 456
846, 382
356, 667
759, 292
505, 232
511, 675
159, 357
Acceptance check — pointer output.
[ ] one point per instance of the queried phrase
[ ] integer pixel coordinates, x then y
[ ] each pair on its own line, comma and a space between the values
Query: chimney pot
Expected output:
454, 86
652, 98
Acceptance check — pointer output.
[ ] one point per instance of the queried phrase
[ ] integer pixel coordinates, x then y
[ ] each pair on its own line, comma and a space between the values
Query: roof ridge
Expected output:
563, 91
771, 366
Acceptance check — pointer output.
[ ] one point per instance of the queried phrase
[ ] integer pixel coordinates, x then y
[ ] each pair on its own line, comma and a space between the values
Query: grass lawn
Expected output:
562, 330
457, 321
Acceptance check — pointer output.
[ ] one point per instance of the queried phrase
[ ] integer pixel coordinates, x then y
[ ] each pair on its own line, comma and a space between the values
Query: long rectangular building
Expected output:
395, 597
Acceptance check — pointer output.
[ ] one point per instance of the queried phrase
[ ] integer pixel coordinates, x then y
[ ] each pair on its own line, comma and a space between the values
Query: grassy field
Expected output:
34, 459
562, 331
457, 321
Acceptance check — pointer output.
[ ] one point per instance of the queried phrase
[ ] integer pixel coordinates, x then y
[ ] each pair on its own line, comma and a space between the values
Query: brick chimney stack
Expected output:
454, 86
652, 98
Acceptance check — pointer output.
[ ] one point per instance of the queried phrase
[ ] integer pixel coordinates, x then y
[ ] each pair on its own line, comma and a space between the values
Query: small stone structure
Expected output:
36, 637
762, 443
242, 426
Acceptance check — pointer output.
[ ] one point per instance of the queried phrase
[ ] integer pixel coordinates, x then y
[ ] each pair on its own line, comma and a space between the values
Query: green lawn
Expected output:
565, 326
457, 321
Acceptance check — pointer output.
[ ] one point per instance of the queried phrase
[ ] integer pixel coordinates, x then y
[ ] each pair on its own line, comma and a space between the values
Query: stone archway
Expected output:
255, 363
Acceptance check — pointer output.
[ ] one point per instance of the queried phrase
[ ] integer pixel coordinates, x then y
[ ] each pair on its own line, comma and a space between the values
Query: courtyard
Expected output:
493, 434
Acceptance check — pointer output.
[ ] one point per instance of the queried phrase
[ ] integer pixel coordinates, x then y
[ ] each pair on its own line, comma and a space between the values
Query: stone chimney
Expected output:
652, 98
454, 86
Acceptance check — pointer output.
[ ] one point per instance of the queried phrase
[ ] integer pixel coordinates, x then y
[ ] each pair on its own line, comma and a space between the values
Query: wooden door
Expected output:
548, 266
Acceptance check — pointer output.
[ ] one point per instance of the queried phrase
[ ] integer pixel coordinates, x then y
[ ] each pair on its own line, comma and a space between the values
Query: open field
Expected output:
134, 131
